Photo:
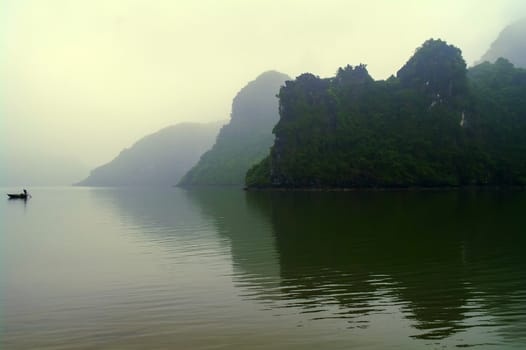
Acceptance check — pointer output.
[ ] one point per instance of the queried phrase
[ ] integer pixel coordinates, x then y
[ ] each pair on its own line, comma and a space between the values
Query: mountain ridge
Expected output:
157, 159
510, 44
245, 140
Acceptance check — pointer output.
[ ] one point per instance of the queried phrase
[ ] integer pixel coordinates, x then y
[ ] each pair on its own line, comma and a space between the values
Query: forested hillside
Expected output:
434, 124
246, 139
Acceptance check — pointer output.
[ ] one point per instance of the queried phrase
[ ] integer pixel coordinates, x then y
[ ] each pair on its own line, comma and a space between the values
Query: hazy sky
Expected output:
86, 78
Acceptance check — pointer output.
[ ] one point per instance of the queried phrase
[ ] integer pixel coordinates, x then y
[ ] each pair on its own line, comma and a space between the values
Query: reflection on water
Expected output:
448, 261
223, 268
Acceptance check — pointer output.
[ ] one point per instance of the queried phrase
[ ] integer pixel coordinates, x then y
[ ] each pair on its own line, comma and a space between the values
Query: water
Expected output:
225, 269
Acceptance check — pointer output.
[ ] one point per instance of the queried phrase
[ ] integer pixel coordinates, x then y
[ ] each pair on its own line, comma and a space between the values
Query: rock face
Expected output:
434, 124
510, 44
159, 159
245, 140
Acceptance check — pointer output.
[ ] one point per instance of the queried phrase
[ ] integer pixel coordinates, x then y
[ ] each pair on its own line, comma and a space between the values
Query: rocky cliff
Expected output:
434, 124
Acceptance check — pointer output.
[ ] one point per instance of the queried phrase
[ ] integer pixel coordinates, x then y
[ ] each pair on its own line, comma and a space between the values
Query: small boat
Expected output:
18, 195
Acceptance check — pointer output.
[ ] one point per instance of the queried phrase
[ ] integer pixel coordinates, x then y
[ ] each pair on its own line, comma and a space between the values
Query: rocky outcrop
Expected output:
435, 124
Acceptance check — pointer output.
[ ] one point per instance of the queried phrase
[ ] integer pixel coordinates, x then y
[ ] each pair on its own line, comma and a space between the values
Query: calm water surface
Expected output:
224, 269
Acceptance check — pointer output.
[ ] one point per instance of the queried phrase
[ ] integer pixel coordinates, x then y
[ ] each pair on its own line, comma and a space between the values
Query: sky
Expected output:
82, 80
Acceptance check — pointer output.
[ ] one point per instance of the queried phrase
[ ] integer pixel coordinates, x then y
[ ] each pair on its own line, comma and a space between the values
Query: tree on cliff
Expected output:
436, 69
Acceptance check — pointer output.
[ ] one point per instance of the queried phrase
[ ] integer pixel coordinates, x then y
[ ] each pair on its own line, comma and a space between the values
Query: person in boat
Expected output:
23, 195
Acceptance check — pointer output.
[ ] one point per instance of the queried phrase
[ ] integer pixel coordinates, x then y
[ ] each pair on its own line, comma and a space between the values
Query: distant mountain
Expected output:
510, 44
246, 139
159, 159
435, 124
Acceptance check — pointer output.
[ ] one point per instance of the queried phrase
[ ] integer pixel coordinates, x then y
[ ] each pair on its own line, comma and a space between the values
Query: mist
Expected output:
83, 80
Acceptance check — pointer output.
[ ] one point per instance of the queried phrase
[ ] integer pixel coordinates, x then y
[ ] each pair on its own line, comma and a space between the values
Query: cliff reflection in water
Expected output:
444, 263
447, 261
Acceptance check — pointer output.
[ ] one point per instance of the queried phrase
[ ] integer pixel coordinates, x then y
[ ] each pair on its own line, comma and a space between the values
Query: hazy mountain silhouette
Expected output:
159, 159
510, 44
246, 139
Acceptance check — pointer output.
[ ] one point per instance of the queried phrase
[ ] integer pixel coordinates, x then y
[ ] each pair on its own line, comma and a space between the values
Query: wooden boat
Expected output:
18, 195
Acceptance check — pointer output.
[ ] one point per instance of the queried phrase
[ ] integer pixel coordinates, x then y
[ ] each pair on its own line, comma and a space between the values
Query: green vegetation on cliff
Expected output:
245, 140
434, 124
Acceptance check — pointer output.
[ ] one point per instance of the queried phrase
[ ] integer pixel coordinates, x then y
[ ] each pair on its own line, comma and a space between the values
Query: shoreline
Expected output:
385, 189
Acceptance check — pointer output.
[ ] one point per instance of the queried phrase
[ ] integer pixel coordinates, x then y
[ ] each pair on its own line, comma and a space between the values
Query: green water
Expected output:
226, 269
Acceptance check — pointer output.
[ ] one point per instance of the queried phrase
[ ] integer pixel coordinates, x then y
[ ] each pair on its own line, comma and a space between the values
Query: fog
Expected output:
81, 80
